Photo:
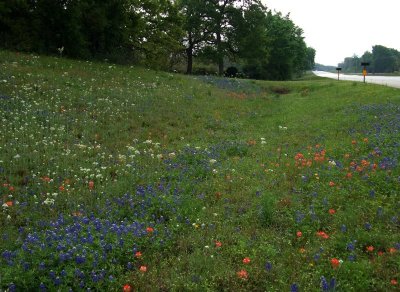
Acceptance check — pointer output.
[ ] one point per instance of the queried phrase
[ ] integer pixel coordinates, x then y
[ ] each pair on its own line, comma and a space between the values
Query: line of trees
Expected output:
381, 59
161, 33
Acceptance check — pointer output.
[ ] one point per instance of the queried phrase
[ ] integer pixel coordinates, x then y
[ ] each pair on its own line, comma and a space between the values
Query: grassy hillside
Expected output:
120, 178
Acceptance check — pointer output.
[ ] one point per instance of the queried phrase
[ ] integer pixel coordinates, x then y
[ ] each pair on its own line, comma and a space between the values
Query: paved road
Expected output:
392, 81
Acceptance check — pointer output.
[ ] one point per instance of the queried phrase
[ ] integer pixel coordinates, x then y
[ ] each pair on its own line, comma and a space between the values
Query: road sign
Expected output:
338, 72
364, 72
364, 64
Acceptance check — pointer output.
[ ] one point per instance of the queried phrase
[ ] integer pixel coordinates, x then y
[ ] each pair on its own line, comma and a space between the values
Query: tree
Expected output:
197, 26
287, 48
351, 64
384, 59
156, 32
221, 13
310, 59
16, 31
252, 40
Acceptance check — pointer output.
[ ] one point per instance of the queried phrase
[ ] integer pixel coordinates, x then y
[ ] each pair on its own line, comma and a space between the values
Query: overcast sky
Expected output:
342, 28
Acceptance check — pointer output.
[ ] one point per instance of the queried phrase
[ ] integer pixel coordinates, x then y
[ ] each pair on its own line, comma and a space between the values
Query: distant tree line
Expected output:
321, 67
381, 59
161, 34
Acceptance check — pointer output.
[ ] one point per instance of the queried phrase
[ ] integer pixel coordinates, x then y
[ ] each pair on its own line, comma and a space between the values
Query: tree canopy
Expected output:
161, 34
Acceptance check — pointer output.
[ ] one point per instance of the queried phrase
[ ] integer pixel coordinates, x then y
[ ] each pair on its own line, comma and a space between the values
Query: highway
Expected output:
392, 81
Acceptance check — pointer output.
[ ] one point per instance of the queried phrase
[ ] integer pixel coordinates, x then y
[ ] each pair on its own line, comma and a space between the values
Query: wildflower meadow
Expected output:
118, 178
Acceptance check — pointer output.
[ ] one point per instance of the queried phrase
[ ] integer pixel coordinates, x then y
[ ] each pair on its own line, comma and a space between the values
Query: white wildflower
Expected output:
48, 201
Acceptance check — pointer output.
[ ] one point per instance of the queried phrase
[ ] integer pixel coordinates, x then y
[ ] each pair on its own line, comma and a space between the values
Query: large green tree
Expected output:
384, 59
197, 26
157, 32
252, 40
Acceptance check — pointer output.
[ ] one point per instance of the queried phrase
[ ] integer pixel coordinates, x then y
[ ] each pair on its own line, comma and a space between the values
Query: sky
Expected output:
341, 28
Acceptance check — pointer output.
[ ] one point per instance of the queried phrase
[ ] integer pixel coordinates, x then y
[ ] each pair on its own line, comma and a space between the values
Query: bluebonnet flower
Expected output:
379, 212
294, 288
42, 287
372, 193
350, 246
352, 257
268, 266
324, 284
12, 287
299, 216
368, 226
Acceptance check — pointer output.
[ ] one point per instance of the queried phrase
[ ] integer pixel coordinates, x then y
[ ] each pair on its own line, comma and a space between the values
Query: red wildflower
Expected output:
335, 263
392, 250
365, 163
91, 184
331, 184
299, 156
370, 248
138, 254
61, 188
299, 234
9, 203
143, 269
218, 244
393, 282
251, 142
127, 288
353, 142
150, 229
349, 175
242, 274
322, 234
332, 211
246, 260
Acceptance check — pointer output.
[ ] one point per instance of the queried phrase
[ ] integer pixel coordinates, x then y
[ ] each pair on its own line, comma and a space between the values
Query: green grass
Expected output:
99, 161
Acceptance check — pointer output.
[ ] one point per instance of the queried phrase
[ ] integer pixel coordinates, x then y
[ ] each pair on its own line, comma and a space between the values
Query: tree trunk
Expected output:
220, 55
189, 54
